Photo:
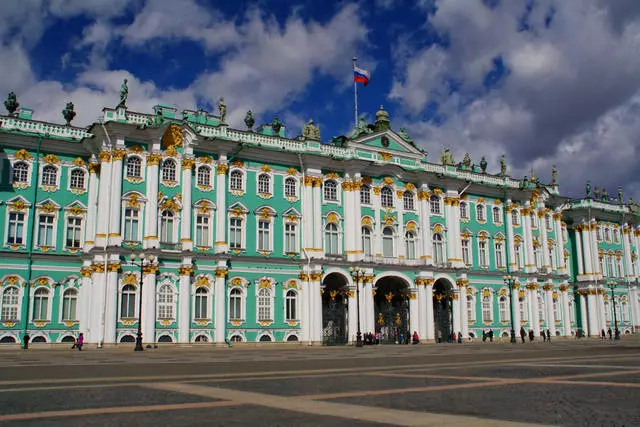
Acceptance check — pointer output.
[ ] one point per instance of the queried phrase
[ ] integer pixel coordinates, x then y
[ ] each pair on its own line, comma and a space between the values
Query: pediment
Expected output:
387, 141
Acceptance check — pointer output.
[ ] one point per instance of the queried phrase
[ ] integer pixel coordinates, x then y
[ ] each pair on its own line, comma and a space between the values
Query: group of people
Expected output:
546, 335
610, 334
370, 338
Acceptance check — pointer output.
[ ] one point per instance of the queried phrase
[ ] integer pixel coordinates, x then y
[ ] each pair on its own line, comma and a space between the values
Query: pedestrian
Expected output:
490, 335
416, 340
604, 335
609, 333
80, 341
522, 334
548, 336
531, 335
459, 337
484, 335
25, 341
439, 336
453, 337
378, 337
544, 337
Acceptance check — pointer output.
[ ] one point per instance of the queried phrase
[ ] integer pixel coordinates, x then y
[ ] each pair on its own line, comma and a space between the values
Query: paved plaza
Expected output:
571, 383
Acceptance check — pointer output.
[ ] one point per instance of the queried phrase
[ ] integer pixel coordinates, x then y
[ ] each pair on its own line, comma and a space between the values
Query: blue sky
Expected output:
545, 82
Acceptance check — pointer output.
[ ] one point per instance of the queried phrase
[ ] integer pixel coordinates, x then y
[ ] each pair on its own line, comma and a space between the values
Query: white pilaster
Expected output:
457, 327
149, 304
377, 226
535, 310
626, 245
115, 239
557, 216
357, 215
111, 305
187, 215
583, 314
587, 250
103, 201
84, 301
92, 207
318, 228
510, 242
425, 225
566, 314
184, 300
431, 333
530, 261
220, 238
592, 307
316, 308
464, 315
220, 301
542, 225
422, 311
151, 211
551, 320
517, 320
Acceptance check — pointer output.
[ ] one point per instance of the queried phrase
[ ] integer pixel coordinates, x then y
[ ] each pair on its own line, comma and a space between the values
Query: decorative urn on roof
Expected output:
382, 120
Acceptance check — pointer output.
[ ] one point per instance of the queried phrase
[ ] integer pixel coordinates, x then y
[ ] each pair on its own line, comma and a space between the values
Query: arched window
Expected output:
515, 218
69, 304
50, 176
331, 239
434, 202
386, 197
541, 310
128, 302
466, 251
365, 195
496, 215
264, 184
204, 176
330, 190
169, 170
438, 248
387, 242
235, 180
366, 241
486, 309
134, 167
41, 304
20, 172
410, 238
291, 313
480, 212
408, 200
607, 311
464, 212
264, 305
166, 302
131, 224
616, 235
10, 304
167, 220
235, 304
76, 181
505, 315
290, 187
201, 309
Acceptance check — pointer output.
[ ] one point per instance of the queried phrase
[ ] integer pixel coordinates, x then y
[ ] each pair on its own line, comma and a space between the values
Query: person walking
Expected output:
548, 336
80, 341
522, 334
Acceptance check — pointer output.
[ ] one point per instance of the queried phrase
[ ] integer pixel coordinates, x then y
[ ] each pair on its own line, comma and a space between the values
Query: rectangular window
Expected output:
74, 232
518, 255
499, 256
45, 230
235, 233
482, 254
15, 235
290, 238
131, 221
264, 236
466, 258
202, 231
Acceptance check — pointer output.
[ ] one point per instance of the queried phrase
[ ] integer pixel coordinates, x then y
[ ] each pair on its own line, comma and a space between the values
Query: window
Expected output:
524, 312
15, 231
131, 223
407, 198
387, 242
505, 316
49, 176
515, 218
464, 211
264, 235
551, 257
547, 221
69, 304
20, 172
290, 187
496, 215
517, 249
235, 180
134, 167
557, 315
438, 249
466, 254
607, 311
235, 233
166, 227
471, 312
330, 191
616, 235
128, 302
541, 309
434, 203
572, 313
607, 234
365, 195
201, 304
74, 232
625, 312
204, 176
264, 305
499, 255
264, 184
386, 197
486, 309
480, 212
610, 270
45, 230
536, 256
10, 304
619, 267
482, 254
599, 233
41, 304
331, 239
203, 231
235, 304
290, 306
76, 181
166, 302
534, 220
366, 241
169, 170
410, 239
290, 240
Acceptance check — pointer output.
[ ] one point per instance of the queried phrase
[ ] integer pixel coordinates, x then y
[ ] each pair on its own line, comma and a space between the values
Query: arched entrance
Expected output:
334, 309
442, 309
392, 309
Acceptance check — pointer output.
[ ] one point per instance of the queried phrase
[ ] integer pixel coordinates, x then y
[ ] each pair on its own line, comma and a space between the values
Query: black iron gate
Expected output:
392, 319
443, 317
334, 319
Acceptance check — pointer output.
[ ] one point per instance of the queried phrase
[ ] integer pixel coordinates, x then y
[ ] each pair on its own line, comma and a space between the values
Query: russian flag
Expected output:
360, 75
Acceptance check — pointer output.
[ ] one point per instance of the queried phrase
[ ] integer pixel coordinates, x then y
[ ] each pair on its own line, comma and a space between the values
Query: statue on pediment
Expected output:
69, 113
11, 104
124, 94
554, 175
311, 131
466, 162
588, 189
446, 158
605, 195
596, 193
249, 120
483, 165
404, 135
222, 108
620, 197
361, 129
503, 166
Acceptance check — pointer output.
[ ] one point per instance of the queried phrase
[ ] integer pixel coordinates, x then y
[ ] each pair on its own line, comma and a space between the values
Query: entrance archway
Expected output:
442, 309
335, 309
392, 309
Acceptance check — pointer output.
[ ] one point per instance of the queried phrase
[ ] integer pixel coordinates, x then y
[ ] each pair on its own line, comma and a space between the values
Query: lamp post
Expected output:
509, 280
358, 274
141, 264
612, 284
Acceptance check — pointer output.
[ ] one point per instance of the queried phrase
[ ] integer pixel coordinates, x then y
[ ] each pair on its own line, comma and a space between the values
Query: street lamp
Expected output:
612, 284
358, 274
510, 280
142, 261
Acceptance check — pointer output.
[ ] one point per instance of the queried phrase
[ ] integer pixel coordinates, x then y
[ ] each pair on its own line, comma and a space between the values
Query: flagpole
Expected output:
355, 94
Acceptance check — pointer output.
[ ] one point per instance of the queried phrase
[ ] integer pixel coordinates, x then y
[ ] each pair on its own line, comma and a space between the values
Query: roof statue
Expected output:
483, 164
446, 158
466, 162
276, 125
404, 135
361, 129
605, 195
554, 175
596, 193
249, 120
124, 93
68, 113
382, 120
620, 197
588, 189
503, 166
11, 104
533, 175
222, 108
311, 131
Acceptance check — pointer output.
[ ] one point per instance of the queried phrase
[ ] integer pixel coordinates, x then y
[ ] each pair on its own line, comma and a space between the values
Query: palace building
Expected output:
205, 233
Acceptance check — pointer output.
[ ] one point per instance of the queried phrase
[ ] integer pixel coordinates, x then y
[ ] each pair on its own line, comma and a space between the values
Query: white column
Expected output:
535, 310
221, 204
184, 300
92, 207
103, 200
451, 235
422, 310
583, 313
530, 261
353, 313
510, 243
306, 190
587, 250
305, 326
635, 307
551, 320
399, 238
111, 304
318, 228
316, 305
566, 314
186, 218
99, 284
357, 215
627, 252
557, 216
220, 301
515, 295
369, 308
413, 312
84, 301
149, 304
592, 304
151, 208
464, 315
594, 248
456, 311
600, 301
579, 258
431, 333
349, 215
425, 225
377, 227
115, 239
542, 225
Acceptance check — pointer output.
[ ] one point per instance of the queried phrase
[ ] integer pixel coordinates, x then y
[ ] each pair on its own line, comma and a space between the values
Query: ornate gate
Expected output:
392, 318
442, 316
334, 318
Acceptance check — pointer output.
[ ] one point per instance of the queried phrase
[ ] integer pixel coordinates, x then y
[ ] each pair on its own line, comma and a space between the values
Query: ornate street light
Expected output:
358, 274
612, 285
510, 280
142, 261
